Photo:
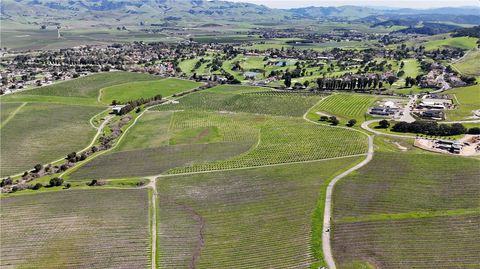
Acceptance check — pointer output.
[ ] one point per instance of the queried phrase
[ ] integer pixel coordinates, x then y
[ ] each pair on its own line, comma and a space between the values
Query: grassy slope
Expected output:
41, 133
236, 99
426, 204
259, 218
470, 65
145, 89
7, 110
76, 229
346, 106
84, 89
468, 100
456, 42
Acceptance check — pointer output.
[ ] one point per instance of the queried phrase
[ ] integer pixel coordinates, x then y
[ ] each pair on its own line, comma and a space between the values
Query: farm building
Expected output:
383, 111
117, 109
433, 114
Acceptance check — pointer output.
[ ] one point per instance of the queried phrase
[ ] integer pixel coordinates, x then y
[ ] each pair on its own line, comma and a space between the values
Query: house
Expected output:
382, 111
117, 109
433, 114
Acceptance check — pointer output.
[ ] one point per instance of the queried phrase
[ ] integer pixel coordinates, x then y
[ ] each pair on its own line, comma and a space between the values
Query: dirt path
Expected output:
366, 127
153, 185
12, 115
327, 215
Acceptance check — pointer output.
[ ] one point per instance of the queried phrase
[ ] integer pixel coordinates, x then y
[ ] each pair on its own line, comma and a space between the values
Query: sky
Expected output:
389, 3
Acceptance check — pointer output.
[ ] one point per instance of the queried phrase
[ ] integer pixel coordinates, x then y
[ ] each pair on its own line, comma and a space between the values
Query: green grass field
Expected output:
145, 89
76, 229
8, 111
411, 209
241, 99
470, 64
84, 89
454, 42
467, 99
255, 218
41, 133
346, 106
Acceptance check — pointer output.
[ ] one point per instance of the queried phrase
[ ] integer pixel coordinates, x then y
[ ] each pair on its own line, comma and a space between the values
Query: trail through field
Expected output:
99, 132
12, 115
153, 184
327, 213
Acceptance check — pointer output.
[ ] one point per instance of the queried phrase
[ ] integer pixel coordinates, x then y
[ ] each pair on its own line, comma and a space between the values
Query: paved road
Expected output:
365, 127
327, 215
407, 117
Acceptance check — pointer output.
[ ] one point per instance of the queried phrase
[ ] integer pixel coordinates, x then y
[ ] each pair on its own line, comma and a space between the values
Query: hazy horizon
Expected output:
374, 3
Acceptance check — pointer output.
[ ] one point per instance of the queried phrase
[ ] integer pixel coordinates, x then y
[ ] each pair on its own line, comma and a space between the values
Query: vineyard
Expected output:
40, 133
427, 204
254, 218
153, 161
284, 140
440, 242
145, 89
346, 106
403, 182
76, 229
271, 104
88, 87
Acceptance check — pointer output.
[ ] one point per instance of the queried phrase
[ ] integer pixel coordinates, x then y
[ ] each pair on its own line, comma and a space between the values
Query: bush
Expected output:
55, 182
38, 168
384, 124
474, 131
37, 186
68, 185
6, 181
429, 128
351, 122
323, 118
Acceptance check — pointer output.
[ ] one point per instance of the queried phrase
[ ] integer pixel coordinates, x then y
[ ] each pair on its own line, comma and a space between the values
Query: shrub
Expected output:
38, 167
37, 186
6, 181
56, 181
384, 124
323, 118
351, 122
474, 130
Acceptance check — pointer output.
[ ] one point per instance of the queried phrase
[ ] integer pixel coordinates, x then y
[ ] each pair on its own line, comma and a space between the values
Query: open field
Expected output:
284, 140
153, 161
241, 99
346, 106
145, 89
76, 229
233, 141
8, 111
40, 133
467, 99
254, 218
455, 42
421, 182
85, 87
406, 210
440, 242
470, 64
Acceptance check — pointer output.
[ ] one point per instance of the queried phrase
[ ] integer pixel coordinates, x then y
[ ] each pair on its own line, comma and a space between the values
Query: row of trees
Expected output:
429, 128
352, 84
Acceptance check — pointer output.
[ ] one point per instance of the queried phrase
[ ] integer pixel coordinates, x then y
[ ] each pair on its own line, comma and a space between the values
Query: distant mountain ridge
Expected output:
202, 10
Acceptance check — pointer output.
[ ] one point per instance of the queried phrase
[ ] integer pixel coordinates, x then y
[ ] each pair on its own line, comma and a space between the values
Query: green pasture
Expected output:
469, 64
241, 99
41, 133
145, 89
463, 42
467, 99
